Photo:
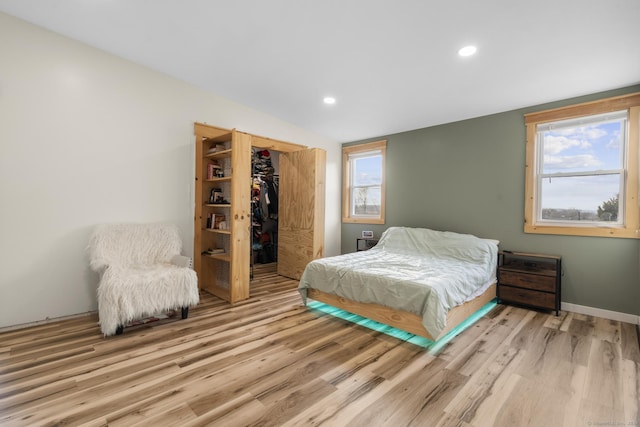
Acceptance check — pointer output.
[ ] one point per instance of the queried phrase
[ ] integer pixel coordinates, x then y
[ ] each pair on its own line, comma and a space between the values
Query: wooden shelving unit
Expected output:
226, 274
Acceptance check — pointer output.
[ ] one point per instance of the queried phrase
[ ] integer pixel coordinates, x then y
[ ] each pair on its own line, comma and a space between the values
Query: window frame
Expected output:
629, 200
356, 150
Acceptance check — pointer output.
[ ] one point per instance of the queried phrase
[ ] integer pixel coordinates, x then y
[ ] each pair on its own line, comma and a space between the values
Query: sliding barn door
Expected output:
301, 196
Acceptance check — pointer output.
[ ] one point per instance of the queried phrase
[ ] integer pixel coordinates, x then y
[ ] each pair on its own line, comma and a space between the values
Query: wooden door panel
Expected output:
300, 210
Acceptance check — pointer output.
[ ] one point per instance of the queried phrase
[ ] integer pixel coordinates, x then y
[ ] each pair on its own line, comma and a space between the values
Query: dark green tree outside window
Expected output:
608, 210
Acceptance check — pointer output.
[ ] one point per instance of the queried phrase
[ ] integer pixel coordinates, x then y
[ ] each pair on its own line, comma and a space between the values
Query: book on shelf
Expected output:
216, 148
214, 220
218, 219
217, 197
214, 251
214, 170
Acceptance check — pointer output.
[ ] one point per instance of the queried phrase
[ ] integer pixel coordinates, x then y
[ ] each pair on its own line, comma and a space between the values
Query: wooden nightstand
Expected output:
530, 279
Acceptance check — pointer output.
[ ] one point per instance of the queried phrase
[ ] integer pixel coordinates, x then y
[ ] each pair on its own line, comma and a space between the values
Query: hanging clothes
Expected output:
264, 199
272, 194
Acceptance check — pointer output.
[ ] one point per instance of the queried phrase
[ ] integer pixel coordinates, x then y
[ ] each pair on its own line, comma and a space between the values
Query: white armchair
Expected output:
141, 273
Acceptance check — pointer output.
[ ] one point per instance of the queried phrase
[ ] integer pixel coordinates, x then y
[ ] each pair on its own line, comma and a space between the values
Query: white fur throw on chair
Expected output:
142, 272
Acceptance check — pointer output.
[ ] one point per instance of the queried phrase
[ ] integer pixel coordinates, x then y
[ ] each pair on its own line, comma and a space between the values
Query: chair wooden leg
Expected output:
120, 330
185, 312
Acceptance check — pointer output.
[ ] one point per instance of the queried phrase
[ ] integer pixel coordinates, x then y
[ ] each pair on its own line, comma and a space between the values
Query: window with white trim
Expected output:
363, 183
582, 169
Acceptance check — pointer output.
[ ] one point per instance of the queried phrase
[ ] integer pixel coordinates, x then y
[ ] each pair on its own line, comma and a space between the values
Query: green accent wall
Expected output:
468, 177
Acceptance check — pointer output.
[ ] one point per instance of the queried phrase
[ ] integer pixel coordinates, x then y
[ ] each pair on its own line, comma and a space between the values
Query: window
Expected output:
582, 169
363, 183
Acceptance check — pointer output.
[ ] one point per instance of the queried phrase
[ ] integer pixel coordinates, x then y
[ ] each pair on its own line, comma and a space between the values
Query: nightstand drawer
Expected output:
527, 297
529, 281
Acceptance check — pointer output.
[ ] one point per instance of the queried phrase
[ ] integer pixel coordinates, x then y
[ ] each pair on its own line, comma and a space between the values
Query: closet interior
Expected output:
265, 181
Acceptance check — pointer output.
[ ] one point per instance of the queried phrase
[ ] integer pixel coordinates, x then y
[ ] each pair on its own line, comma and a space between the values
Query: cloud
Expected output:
554, 144
591, 133
614, 143
571, 162
585, 132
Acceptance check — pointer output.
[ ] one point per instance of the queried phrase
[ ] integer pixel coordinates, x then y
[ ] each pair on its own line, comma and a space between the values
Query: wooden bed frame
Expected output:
401, 319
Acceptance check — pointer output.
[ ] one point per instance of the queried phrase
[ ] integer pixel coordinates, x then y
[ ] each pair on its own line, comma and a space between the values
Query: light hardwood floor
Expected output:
271, 361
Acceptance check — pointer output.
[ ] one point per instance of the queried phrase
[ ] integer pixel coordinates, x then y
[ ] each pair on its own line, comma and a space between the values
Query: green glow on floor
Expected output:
432, 346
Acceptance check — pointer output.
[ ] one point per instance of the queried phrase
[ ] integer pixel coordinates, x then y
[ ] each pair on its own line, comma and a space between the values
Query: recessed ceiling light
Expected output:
329, 100
467, 51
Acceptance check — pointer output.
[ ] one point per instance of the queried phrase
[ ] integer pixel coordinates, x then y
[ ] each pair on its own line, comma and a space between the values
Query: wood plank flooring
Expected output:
270, 361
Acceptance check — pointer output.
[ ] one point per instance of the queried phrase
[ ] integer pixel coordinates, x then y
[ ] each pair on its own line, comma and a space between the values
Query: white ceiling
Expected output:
391, 64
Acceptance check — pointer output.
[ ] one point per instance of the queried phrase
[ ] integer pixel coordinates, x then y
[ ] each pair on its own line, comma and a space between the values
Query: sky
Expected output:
367, 171
588, 148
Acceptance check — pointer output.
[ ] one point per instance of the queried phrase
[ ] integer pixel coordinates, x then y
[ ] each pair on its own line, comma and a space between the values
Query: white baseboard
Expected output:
45, 321
599, 312
565, 306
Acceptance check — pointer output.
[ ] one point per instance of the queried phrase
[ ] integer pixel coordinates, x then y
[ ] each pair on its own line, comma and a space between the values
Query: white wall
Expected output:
87, 138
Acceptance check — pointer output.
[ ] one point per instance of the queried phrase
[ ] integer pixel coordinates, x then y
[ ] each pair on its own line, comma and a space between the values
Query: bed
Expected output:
423, 281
